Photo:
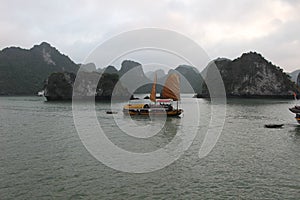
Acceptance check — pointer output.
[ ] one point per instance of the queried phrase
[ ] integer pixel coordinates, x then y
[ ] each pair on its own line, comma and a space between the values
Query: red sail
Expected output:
171, 89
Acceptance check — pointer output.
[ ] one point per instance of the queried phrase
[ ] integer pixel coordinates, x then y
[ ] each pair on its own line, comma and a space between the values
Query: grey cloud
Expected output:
76, 27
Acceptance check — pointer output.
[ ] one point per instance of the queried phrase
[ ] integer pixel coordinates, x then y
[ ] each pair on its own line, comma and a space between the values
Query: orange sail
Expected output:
153, 91
171, 89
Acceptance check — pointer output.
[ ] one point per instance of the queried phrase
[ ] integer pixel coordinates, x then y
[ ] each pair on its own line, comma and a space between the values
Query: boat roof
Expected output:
147, 101
164, 100
139, 101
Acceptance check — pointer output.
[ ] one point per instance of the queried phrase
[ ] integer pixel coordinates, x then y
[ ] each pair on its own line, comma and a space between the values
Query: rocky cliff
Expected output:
159, 74
191, 80
294, 75
23, 72
132, 75
251, 75
59, 86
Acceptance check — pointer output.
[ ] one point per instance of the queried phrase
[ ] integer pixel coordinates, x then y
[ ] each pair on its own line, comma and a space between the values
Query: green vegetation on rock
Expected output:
23, 72
251, 75
59, 86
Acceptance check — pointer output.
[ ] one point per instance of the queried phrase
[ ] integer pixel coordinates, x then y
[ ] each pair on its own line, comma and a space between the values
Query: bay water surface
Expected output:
42, 156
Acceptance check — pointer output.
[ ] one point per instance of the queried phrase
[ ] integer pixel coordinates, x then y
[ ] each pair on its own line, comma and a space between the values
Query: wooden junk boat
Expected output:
165, 106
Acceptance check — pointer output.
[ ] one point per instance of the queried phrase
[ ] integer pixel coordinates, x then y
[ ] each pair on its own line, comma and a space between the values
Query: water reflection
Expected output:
296, 131
165, 129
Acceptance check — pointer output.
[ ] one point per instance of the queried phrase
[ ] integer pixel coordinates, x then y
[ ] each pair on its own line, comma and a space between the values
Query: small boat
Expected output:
273, 125
111, 112
41, 93
153, 106
296, 110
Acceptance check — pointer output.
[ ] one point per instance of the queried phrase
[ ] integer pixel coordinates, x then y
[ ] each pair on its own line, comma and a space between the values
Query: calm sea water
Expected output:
42, 157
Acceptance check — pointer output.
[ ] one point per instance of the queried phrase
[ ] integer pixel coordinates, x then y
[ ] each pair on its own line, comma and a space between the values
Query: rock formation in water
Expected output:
111, 70
298, 80
251, 75
132, 75
159, 73
191, 80
59, 86
294, 75
23, 72
89, 67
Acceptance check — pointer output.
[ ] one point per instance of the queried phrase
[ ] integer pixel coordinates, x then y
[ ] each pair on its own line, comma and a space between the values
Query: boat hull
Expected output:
296, 110
148, 112
298, 118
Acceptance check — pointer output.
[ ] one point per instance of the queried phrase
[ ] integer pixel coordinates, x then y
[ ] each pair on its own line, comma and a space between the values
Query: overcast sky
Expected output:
222, 28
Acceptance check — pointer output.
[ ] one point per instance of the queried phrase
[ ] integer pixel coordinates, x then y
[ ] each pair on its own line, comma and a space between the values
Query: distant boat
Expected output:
273, 125
41, 93
111, 112
170, 95
296, 109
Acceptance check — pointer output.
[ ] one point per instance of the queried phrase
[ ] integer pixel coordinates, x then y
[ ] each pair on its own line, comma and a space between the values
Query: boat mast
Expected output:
153, 90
